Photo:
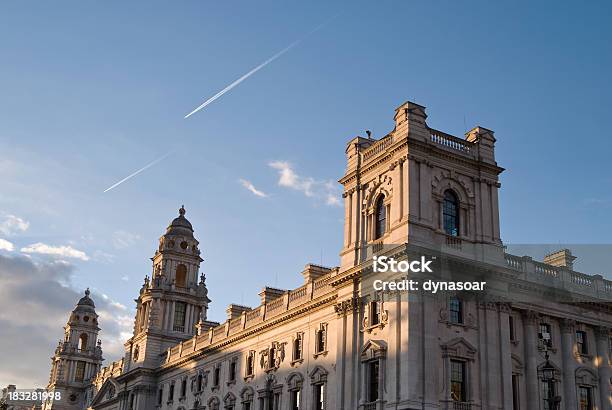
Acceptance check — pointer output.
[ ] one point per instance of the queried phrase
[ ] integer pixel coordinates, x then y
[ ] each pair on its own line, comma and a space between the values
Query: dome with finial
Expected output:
180, 225
86, 300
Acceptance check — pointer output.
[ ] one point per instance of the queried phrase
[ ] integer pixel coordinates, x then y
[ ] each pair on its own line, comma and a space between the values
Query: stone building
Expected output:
77, 359
537, 338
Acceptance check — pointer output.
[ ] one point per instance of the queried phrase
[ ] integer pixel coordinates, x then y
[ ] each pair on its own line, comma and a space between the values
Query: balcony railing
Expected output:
370, 406
461, 405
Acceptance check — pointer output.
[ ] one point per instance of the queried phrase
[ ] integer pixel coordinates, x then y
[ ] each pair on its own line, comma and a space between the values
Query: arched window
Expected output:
381, 218
83, 341
450, 213
181, 275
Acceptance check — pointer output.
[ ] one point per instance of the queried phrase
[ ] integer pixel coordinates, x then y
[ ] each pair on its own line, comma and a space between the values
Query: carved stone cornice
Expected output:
567, 325
531, 317
602, 332
347, 306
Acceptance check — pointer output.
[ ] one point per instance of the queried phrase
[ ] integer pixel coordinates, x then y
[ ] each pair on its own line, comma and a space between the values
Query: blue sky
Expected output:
90, 92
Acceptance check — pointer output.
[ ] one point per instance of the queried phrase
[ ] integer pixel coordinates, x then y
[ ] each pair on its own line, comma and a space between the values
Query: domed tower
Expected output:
77, 358
173, 301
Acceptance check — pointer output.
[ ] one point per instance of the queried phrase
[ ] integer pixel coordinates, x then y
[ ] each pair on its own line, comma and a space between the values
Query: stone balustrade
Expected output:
276, 307
450, 141
378, 147
560, 277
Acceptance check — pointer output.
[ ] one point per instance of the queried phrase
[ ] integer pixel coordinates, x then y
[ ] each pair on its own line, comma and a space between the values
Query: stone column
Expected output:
568, 332
506, 355
530, 324
348, 207
602, 337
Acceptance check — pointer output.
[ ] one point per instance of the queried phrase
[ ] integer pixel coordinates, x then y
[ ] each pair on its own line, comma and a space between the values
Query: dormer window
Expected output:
380, 215
450, 213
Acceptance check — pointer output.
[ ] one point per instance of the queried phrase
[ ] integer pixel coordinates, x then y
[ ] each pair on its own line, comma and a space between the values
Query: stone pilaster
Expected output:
602, 337
530, 323
568, 332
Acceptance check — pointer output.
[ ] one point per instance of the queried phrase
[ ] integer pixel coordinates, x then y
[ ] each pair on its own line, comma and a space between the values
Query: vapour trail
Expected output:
149, 165
223, 91
256, 69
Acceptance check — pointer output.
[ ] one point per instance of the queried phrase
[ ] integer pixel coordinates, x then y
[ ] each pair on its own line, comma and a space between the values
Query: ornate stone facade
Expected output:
336, 343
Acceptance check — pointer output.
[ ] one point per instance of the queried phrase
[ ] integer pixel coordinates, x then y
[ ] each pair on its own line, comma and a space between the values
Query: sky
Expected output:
91, 92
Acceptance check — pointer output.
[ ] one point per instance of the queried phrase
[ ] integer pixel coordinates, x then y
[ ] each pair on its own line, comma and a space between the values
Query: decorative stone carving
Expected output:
346, 306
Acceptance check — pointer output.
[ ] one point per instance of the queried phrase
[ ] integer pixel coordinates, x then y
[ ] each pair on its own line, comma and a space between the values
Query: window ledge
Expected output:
586, 356
550, 348
231, 382
369, 329
248, 377
297, 362
323, 353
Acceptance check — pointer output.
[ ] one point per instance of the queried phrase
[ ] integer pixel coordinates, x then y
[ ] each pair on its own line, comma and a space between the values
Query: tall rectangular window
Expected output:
586, 401
545, 334
455, 310
297, 346
321, 338
232, 371
216, 376
250, 364
296, 396
581, 342
171, 392
319, 398
79, 374
183, 387
374, 313
516, 398
458, 387
373, 374
511, 328
179, 316
160, 395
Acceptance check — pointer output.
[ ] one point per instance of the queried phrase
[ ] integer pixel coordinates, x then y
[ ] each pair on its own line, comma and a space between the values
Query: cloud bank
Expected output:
65, 251
35, 301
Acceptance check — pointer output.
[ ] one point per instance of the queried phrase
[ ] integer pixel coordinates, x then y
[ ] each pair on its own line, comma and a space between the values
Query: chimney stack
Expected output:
561, 258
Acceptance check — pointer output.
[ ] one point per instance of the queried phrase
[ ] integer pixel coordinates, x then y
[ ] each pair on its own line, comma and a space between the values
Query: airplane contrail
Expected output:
223, 91
256, 69
149, 165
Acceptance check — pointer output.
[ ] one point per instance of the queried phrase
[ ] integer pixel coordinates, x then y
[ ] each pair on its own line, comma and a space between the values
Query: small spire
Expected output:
182, 210
87, 292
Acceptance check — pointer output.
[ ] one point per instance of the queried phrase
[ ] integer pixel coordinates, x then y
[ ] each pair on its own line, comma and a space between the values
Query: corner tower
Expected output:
77, 358
421, 186
173, 301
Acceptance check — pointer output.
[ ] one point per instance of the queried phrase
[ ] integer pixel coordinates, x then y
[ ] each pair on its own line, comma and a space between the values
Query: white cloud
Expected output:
13, 224
124, 239
125, 278
328, 191
44, 291
59, 251
104, 257
248, 185
6, 245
